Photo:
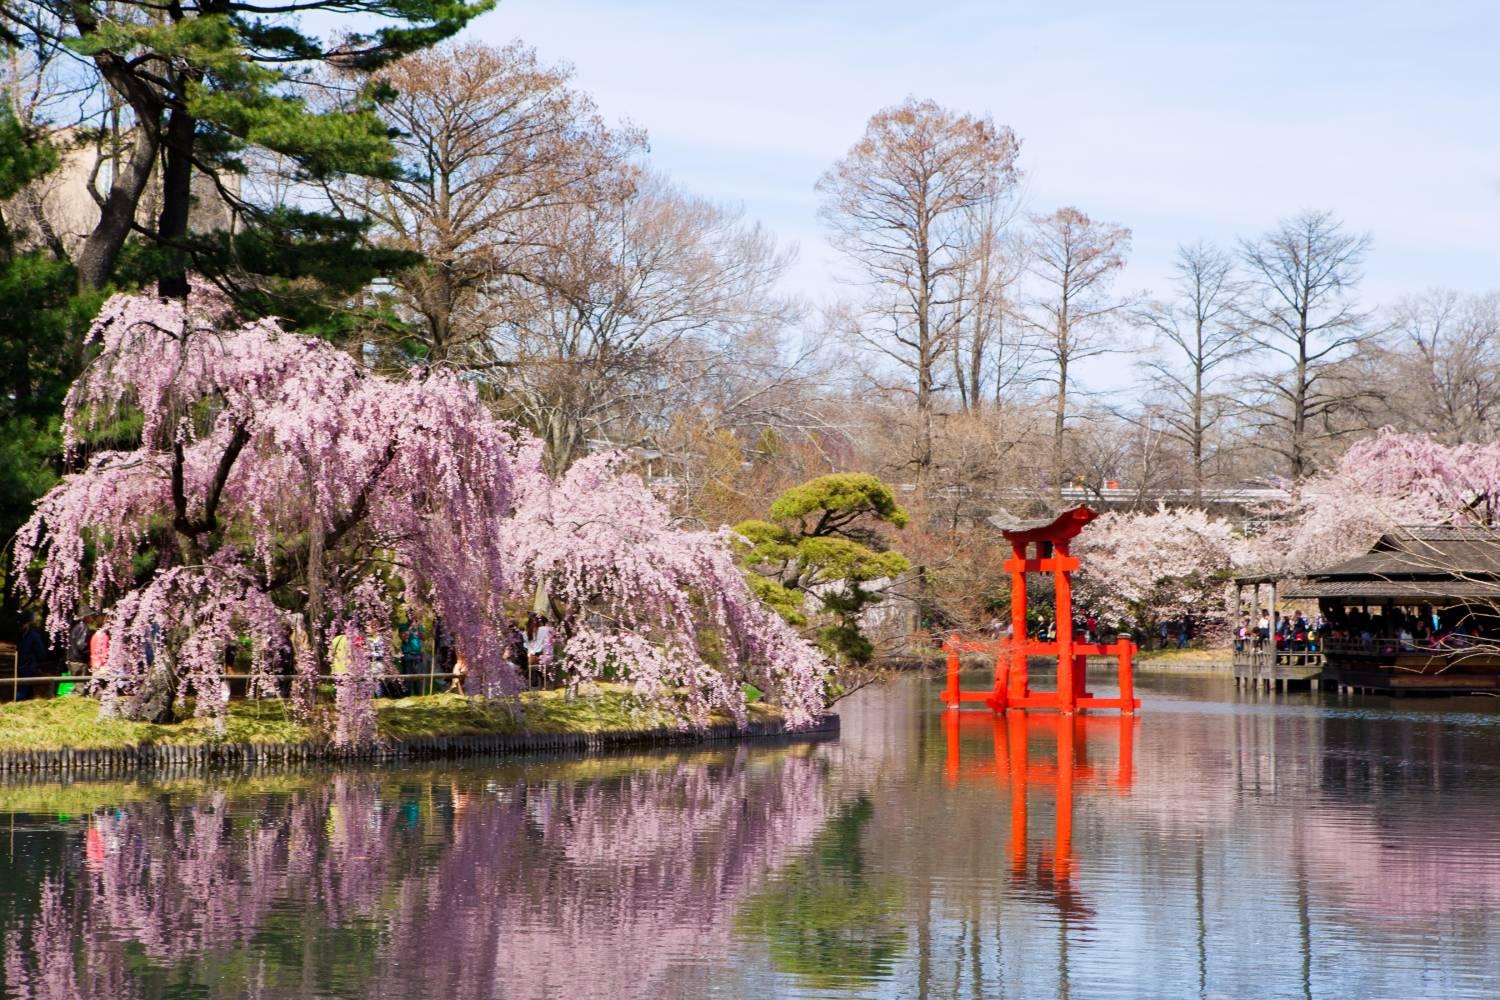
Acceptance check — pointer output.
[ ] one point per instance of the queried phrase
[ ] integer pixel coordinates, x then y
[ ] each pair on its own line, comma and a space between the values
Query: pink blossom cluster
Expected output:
1382, 482
1157, 565
182, 620
659, 607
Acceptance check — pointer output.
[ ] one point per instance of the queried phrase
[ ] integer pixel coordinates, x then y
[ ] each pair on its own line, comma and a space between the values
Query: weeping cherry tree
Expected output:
276, 487
278, 490
663, 609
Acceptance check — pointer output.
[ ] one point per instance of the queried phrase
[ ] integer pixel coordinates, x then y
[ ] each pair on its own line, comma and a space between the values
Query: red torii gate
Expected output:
1012, 683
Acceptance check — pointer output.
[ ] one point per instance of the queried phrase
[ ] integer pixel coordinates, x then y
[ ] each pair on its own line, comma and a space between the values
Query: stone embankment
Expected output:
120, 760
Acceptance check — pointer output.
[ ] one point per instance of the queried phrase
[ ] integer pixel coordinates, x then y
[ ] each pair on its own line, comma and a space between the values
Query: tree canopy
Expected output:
205, 87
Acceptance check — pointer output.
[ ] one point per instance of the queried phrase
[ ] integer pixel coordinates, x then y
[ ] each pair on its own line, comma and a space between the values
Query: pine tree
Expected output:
40, 309
208, 83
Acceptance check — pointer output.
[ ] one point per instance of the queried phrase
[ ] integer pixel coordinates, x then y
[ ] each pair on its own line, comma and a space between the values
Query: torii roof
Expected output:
1056, 529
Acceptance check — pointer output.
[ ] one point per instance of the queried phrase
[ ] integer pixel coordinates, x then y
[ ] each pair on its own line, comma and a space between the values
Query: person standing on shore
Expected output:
77, 655
411, 654
31, 650
539, 648
338, 654
515, 653
98, 645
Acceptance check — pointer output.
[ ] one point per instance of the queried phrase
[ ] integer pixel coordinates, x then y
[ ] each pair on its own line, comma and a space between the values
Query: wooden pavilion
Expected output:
1419, 611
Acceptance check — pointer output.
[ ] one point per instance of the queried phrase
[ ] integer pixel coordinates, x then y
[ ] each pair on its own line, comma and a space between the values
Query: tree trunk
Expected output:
315, 593
958, 375
158, 693
101, 248
177, 201
1059, 424
1198, 418
925, 359
1299, 463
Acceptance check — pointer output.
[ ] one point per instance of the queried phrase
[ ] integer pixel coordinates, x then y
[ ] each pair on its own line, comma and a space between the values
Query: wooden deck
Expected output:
1367, 667
1262, 668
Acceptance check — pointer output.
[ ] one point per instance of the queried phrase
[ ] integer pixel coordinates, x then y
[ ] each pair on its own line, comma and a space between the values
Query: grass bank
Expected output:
1169, 656
73, 722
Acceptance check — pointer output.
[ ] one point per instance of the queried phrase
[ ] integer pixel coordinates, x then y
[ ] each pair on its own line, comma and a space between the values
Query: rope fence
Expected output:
11, 682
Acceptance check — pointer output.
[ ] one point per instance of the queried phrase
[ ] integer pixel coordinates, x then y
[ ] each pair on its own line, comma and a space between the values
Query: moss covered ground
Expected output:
75, 722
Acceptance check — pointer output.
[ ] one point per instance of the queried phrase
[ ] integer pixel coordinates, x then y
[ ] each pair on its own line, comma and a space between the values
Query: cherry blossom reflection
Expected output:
467, 883
619, 883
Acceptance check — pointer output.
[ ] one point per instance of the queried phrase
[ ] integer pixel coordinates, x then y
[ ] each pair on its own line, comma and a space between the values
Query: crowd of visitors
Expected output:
1294, 632
1392, 631
1087, 627
530, 647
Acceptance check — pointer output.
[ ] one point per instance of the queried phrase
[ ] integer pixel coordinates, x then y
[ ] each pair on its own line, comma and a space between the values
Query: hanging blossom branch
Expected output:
664, 609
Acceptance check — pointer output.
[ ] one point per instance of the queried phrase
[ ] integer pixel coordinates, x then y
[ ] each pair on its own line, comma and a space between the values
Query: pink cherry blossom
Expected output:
264, 454
1382, 482
657, 606
1152, 566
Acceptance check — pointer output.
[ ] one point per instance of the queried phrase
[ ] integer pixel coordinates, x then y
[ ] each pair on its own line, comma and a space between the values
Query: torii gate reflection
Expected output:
1015, 769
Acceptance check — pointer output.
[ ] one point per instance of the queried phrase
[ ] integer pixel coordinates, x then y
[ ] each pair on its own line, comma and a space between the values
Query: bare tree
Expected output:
494, 143
897, 204
52, 91
1442, 363
1075, 259
1135, 454
990, 353
636, 304
1302, 275
1200, 332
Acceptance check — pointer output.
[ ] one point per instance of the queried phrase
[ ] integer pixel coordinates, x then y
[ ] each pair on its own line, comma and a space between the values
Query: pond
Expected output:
1220, 844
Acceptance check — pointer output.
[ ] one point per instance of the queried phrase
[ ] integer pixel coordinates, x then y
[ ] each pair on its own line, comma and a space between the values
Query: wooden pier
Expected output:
1368, 667
1279, 669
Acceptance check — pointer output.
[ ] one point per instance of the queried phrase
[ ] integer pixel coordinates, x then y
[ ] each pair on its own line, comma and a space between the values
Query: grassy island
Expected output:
74, 722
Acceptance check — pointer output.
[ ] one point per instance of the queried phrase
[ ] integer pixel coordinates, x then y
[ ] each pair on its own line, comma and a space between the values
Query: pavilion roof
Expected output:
1439, 552
1424, 590
1425, 563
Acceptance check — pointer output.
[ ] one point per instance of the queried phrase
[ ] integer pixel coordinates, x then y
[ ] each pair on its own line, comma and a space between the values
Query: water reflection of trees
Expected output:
470, 884
829, 918
1265, 846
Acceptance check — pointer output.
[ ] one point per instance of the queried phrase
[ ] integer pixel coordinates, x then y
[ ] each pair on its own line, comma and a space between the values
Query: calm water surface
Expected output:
1218, 845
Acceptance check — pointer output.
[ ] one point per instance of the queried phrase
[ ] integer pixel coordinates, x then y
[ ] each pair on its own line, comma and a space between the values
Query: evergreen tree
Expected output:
40, 309
821, 541
208, 83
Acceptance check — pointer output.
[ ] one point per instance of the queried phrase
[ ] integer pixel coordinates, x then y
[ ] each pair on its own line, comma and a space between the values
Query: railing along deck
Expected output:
1266, 664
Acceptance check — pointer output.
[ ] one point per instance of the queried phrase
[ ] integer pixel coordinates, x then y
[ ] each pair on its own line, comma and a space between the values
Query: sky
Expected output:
1181, 119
